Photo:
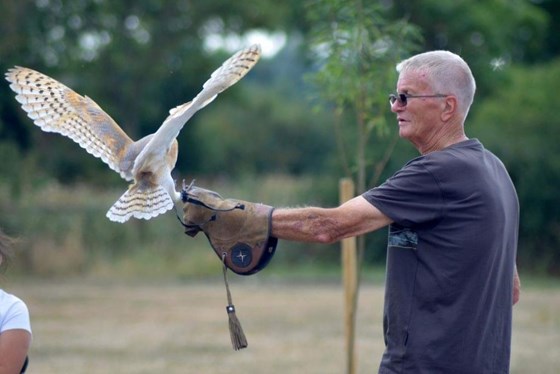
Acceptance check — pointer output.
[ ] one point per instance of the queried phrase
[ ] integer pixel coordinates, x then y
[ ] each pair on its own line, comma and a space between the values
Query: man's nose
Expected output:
396, 106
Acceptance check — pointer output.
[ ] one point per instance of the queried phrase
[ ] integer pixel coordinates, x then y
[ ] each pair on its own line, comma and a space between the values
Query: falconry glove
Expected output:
238, 231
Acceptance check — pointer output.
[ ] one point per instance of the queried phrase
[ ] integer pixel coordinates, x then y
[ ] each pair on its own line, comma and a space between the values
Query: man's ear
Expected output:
450, 108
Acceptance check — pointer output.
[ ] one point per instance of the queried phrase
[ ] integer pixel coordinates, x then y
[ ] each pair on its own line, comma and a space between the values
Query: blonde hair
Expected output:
447, 74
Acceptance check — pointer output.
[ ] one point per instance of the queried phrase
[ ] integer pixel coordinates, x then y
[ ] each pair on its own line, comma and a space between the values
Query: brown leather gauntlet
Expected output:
238, 231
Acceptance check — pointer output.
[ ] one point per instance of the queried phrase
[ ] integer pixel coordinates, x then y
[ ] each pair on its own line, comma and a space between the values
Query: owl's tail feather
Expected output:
141, 203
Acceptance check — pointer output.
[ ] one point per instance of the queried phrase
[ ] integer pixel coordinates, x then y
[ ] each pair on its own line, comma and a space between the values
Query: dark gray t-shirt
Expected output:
450, 263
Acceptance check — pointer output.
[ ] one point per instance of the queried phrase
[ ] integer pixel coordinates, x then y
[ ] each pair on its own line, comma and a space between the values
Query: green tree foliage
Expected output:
485, 33
266, 128
356, 48
137, 59
520, 124
271, 133
552, 47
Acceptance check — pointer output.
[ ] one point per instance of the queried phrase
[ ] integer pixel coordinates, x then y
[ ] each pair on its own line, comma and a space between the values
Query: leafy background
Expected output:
281, 136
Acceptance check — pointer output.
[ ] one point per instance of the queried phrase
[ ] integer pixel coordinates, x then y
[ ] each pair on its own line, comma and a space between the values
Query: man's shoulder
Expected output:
458, 152
455, 160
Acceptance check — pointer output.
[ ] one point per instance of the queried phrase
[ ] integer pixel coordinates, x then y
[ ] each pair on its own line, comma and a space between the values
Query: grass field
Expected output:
122, 326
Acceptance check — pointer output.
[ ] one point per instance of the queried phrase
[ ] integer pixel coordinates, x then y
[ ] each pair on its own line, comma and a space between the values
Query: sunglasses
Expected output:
403, 98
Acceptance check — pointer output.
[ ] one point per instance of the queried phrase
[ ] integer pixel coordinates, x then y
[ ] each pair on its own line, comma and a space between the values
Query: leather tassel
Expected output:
236, 333
238, 340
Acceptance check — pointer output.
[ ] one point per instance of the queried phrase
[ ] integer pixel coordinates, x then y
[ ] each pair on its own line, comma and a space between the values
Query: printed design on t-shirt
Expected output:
402, 237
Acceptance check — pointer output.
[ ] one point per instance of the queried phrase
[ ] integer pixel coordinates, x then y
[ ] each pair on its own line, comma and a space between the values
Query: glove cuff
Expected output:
255, 248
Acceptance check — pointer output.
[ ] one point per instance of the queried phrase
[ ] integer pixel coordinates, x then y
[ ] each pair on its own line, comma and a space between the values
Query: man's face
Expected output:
419, 120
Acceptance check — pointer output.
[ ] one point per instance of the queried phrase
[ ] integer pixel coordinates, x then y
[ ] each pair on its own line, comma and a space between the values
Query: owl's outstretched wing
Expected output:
229, 73
56, 108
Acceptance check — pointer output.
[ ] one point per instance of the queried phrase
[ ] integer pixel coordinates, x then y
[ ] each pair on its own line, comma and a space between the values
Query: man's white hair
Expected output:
447, 73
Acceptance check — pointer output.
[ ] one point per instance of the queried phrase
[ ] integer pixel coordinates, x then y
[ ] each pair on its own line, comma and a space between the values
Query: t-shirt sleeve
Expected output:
411, 197
15, 316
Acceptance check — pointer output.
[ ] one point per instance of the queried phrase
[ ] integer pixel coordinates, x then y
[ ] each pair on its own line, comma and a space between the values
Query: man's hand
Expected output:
516, 286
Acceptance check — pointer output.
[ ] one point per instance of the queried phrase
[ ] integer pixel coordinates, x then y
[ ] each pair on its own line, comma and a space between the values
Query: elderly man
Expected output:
453, 218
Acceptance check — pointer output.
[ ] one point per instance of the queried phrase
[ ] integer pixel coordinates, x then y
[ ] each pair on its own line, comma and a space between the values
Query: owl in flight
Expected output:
147, 162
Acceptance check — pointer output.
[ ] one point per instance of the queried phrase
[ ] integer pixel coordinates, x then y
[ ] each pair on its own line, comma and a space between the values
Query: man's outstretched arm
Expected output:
327, 225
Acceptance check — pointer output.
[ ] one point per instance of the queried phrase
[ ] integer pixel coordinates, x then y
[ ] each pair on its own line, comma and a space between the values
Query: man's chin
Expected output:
403, 134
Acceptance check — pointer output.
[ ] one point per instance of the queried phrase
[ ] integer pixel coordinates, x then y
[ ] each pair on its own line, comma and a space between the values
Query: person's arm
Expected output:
14, 345
327, 225
516, 286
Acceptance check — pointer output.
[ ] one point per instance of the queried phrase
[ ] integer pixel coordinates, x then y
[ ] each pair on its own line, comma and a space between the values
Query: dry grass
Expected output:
94, 326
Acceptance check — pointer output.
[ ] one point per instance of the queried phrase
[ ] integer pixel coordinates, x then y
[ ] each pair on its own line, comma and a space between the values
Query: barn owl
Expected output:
147, 162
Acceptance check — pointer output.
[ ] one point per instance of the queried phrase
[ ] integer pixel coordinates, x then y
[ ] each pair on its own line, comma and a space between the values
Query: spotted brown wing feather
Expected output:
56, 108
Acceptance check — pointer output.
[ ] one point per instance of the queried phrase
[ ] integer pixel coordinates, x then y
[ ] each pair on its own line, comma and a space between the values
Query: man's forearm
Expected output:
327, 225
304, 225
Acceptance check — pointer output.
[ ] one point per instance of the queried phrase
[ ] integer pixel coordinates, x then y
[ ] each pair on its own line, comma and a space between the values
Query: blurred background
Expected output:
312, 111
